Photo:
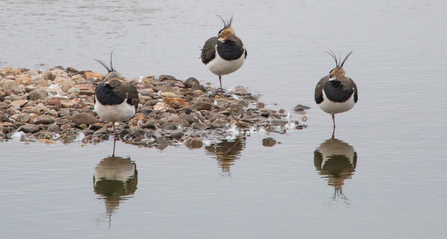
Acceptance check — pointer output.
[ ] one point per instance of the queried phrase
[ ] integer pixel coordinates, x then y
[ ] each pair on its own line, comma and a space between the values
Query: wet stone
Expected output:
65, 87
73, 91
151, 102
49, 76
18, 103
269, 142
163, 88
301, 108
92, 75
176, 103
161, 143
87, 92
68, 135
161, 106
243, 103
168, 95
53, 128
181, 122
43, 119
199, 126
188, 117
54, 101
3, 117
275, 116
84, 118
193, 143
239, 90
169, 126
148, 125
16, 97
166, 78
29, 128
177, 135
146, 110
64, 79
24, 118
11, 85
185, 110
191, 82
30, 88
203, 105
61, 121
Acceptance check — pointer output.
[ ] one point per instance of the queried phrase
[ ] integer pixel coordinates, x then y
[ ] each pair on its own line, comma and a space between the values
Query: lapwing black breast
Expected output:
225, 53
336, 93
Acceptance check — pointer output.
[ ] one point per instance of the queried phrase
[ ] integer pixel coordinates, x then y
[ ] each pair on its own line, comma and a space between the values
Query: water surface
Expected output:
387, 179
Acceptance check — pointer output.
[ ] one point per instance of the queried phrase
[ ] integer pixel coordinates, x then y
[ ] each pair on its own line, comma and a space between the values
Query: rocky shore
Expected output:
57, 105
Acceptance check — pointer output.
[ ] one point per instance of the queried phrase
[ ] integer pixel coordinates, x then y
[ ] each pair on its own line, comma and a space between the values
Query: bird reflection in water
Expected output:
115, 180
336, 160
226, 152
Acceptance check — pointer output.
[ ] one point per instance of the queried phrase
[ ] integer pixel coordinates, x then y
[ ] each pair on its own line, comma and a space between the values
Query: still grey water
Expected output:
383, 176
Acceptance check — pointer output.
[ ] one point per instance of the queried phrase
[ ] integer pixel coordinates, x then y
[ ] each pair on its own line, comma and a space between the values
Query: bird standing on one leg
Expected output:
115, 100
225, 53
336, 93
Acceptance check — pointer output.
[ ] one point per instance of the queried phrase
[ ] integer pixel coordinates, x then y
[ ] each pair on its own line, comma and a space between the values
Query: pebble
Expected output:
84, 118
11, 85
92, 75
73, 91
203, 104
168, 95
18, 103
38, 94
193, 143
43, 119
269, 142
24, 118
199, 126
191, 82
29, 128
176, 103
301, 108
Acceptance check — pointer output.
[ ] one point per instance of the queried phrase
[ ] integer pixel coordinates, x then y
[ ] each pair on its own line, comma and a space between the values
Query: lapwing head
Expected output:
338, 71
227, 31
112, 74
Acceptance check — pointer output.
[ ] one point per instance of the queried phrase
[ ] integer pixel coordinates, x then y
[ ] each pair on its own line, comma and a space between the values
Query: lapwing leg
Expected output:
333, 133
114, 139
333, 120
220, 81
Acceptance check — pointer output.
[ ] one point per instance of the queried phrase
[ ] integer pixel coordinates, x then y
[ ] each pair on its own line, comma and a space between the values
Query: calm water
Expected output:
388, 180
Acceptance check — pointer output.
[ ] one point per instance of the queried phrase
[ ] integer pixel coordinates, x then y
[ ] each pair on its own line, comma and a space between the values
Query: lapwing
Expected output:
115, 100
335, 161
225, 53
336, 93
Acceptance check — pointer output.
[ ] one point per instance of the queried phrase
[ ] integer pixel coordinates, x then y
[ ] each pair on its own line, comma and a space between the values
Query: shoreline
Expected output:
57, 105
